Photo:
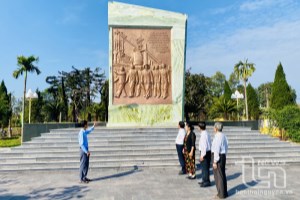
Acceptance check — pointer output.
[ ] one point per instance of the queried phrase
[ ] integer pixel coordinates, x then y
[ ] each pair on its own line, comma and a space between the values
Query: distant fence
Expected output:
254, 125
35, 130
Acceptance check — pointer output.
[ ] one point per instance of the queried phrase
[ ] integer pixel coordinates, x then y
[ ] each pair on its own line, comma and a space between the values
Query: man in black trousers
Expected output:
84, 152
205, 154
219, 150
179, 146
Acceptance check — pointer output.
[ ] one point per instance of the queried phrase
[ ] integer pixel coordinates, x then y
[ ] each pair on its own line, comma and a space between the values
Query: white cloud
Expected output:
265, 46
261, 4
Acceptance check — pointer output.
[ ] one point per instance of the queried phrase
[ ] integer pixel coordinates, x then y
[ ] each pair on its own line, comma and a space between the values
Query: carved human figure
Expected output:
121, 82
147, 80
156, 81
132, 78
165, 80
137, 57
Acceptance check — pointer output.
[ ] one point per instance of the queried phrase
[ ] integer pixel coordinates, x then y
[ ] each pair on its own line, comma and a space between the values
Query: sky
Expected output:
219, 34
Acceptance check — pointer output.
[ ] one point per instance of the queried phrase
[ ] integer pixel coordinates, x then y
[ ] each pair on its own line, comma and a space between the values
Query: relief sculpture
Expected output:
141, 67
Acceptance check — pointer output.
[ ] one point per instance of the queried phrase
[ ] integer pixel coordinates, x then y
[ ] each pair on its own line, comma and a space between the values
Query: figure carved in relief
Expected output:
147, 80
118, 50
138, 64
156, 81
165, 80
133, 79
121, 82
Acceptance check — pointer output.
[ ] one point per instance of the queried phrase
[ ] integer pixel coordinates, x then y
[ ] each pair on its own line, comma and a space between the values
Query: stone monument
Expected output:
146, 66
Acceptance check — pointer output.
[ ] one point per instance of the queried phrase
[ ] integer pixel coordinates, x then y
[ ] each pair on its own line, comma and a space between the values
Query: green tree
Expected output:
244, 70
5, 108
264, 94
4, 105
282, 94
104, 101
223, 107
37, 107
233, 81
227, 91
26, 64
195, 94
253, 103
217, 84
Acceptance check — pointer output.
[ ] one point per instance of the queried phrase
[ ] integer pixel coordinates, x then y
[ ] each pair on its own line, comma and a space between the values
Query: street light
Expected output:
237, 95
31, 95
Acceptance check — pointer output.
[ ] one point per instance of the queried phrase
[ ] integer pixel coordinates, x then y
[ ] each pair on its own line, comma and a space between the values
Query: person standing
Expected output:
179, 146
205, 154
84, 152
219, 150
189, 149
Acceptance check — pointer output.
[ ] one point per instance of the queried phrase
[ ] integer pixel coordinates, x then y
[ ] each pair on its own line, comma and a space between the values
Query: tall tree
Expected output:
195, 94
26, 64
244, 70
227, 91
233, 81
4, 105
253, 102
264, 94
282, 94
217, 84
104, 99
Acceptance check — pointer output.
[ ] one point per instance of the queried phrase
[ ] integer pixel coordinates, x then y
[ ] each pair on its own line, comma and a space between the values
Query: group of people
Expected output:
215, 152
186, 149
154, 82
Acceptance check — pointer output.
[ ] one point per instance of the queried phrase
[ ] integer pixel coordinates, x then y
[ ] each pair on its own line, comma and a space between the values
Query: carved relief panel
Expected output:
141, 66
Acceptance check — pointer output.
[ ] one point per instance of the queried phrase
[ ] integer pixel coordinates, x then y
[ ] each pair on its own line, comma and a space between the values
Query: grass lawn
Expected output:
10, 142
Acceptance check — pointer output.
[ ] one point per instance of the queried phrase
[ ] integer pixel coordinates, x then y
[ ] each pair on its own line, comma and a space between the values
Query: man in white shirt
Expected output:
205, 154
179, 146
219, 150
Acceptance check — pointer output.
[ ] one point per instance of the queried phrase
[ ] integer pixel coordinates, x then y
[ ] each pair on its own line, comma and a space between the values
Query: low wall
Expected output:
35, 130
254, 125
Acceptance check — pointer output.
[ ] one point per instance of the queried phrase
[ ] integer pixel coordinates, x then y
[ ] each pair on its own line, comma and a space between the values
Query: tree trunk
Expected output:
9, 132
23, 106
74, 112
246, 100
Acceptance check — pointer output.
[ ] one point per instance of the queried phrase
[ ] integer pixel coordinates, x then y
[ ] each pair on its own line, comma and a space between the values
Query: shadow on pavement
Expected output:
241, 187
134, 170
72, 192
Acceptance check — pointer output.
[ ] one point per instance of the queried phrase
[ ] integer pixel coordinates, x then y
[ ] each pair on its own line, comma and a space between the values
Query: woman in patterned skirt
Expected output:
189, 151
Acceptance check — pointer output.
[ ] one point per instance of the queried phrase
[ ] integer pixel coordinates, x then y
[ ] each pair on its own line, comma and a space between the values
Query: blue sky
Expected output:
220, 33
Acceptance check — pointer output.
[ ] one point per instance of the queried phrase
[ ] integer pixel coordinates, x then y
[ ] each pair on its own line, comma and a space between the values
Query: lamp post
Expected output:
237, 95
31, 95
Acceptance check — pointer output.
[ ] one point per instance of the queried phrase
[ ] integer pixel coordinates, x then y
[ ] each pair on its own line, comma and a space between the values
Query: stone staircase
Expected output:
115, 148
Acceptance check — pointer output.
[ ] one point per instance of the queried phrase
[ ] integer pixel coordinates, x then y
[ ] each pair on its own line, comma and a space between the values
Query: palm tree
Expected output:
244, 70
223, 106
26, 65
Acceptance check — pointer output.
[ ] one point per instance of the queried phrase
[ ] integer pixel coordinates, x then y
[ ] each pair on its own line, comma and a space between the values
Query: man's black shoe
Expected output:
84, 181
207, 184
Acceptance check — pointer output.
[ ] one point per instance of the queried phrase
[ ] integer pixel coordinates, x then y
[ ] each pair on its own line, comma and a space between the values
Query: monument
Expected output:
146, 65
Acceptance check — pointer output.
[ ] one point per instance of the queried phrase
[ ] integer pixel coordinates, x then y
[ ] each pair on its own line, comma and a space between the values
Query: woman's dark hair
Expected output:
84, 123
202, 125
188, 124
181, 124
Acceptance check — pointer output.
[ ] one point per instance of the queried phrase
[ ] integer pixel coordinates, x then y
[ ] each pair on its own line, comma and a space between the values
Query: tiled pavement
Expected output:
159, 183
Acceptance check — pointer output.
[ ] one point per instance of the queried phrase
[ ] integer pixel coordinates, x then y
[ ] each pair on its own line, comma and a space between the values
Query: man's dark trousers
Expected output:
181, 157
84, 165
205, 167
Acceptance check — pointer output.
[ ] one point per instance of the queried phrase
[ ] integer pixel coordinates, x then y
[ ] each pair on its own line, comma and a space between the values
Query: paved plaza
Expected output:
275, 182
